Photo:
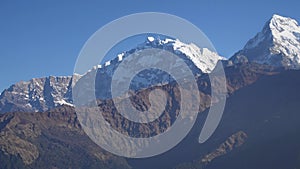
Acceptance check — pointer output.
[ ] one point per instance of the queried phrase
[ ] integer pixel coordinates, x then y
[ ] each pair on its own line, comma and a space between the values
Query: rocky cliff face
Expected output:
38, 94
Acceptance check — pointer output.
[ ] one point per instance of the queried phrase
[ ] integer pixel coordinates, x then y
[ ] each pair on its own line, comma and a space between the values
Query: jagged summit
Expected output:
204, 59
278, 44
37, 94
279, 23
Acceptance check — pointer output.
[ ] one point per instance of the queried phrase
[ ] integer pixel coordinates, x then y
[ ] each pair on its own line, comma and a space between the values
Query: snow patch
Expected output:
120, 56
63, 102
107, 63
150, 39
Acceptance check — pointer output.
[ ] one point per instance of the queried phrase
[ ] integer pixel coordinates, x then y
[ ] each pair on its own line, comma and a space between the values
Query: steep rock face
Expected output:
278, 44
38, 94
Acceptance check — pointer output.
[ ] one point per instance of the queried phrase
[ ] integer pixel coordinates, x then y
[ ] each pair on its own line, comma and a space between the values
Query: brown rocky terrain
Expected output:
55, 139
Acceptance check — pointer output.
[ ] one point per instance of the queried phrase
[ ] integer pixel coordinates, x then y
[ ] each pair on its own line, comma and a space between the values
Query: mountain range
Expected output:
278, 45
259, 128
41, 94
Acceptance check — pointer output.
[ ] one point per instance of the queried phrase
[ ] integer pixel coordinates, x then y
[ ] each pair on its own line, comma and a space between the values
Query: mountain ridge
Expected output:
42, 94
278, 44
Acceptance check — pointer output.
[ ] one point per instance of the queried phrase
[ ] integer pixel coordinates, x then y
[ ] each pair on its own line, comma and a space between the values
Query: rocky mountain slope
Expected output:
53, 139
262, 125
40, 140
35, 139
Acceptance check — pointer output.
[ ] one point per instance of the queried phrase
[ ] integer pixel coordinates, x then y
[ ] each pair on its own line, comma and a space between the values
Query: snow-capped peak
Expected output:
278, 44
204, 59
286, 37
279, 24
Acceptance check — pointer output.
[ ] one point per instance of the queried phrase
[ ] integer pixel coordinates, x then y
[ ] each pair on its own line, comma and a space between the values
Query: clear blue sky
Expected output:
42, 38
